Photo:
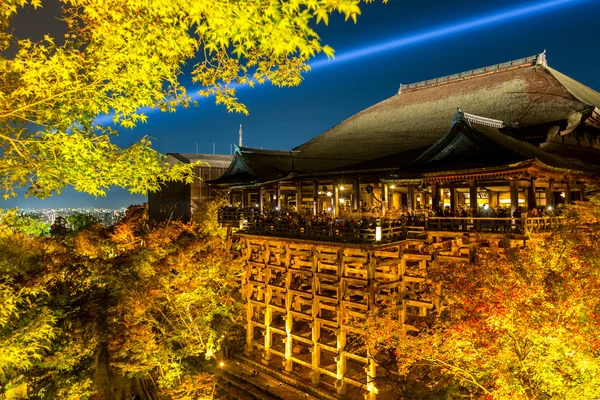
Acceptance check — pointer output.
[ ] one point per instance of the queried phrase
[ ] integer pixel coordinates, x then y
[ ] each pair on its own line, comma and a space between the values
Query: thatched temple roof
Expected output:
531, 101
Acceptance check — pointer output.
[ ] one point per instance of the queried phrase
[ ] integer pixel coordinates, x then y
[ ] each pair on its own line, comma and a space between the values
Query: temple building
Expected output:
178, 200
352, 219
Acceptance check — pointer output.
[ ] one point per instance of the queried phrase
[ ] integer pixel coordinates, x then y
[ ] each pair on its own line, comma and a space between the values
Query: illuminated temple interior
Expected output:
353, 219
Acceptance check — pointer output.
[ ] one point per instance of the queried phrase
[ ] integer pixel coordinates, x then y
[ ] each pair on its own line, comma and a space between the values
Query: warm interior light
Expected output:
507, 201
221, 364
562, 194
342, 188
329, 194
378, 234
342, 201
393, 187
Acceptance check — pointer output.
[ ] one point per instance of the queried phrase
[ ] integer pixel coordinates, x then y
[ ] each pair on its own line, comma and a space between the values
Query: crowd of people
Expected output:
369, 220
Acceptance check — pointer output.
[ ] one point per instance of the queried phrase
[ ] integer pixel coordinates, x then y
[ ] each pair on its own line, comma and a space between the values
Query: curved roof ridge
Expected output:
539, 59
581, 92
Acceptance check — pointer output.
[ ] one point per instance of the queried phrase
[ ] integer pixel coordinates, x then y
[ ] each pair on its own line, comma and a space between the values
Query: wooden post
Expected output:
278, 196
244, 199
531, 195
568, 193
384, 200
341, 358
355, 194
315, 377
299, 197
336, 200
371, 370
231, 197
435, 196
260, 199
315, 197
289, 322
473, 197
268, 334
410, 198
453, 200
549, 195
514, 196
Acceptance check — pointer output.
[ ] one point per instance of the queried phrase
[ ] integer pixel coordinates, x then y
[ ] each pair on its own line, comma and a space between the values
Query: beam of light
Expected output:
443, 31
439, 32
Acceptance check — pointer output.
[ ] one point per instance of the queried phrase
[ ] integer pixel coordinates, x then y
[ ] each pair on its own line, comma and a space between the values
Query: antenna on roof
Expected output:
230, 149
541, 59
213, 147
240, 142
196, 147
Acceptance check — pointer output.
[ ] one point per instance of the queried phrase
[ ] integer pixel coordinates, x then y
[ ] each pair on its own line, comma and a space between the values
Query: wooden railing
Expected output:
413, 227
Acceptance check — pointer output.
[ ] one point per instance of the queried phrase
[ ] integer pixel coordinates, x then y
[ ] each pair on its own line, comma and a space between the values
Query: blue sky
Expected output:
398, 42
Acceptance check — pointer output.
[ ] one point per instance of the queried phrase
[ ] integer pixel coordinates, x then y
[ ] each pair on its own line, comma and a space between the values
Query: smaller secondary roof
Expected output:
213, 160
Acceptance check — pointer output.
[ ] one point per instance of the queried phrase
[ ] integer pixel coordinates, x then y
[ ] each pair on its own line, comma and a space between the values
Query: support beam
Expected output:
473, 197
435, 196
244, 199
384, 200
568, 193
336, 200
315, 197
514, 197
260, 200
410, 200
355, 194
453, 199
268, 333
549, 195
341, 359
278, 193
299, 197
531, 204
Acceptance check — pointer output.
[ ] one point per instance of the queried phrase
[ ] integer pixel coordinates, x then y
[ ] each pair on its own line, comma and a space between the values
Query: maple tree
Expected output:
138, 308
520, 325
117, 57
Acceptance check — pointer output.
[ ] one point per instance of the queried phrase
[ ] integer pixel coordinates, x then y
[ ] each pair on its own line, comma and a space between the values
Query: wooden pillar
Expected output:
231, 197
410, 198
289, 322
355, 194
250, 326
531, 194
549, 195
384, 200
315, 197
268, 334
371, 370
336, 200
453, 199
278, 193
435, 196
299, 197
244, 199
568, 193
315, 377
260, 200
473, 197
514, 196
341, 358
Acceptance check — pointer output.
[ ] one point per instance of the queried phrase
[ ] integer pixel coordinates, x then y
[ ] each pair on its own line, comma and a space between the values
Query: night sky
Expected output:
282, 118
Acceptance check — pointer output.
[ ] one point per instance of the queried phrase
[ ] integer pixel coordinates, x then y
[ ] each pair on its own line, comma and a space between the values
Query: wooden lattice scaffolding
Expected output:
300, 295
